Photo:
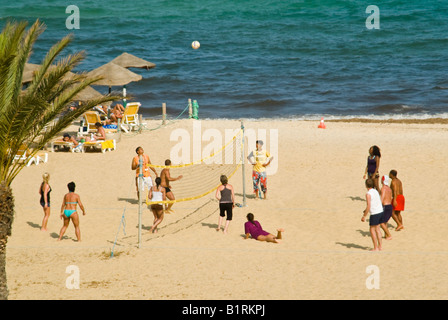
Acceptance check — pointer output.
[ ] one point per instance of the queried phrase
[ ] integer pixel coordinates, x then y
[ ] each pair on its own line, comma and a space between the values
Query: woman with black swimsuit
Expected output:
44, 191
373, 165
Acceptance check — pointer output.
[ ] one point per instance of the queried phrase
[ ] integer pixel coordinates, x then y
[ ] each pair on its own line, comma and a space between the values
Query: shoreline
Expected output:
423, 119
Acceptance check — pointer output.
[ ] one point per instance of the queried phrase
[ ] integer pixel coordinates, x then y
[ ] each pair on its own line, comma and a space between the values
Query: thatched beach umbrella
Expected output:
113, 75
28, 72
31, 68
88, 94
127, 60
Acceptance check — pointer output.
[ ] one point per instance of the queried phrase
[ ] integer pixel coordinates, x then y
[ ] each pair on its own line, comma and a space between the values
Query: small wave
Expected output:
398, 108
318, 117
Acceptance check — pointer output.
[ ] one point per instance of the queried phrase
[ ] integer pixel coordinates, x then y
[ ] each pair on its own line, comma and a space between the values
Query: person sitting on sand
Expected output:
386, 200
253, 228
157, 193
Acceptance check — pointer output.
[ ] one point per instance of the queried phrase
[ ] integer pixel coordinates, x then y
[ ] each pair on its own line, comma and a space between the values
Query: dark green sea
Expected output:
262, 58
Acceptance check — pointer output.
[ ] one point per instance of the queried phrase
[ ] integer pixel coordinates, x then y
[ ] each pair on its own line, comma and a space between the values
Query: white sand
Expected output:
317, 195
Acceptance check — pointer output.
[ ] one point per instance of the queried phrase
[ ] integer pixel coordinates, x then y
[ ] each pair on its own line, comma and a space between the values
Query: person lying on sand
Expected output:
253, 228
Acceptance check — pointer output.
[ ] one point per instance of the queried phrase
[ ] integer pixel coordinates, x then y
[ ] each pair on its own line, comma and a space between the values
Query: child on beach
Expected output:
375, 208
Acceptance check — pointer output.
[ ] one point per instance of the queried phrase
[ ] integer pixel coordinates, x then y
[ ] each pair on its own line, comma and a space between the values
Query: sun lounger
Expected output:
24, 155
90, 118
107, 145
65, 144
130, 117
41, 156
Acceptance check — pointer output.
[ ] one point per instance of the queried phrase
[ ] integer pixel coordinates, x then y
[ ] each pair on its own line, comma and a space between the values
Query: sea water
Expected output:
262, 58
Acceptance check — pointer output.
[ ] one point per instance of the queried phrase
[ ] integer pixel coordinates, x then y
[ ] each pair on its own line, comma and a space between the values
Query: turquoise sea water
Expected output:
261, 58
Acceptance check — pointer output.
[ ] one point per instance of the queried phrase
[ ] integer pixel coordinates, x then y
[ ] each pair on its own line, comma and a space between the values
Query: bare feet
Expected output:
399, 228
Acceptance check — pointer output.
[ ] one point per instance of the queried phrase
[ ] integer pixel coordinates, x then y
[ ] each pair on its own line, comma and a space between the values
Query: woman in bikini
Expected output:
68, 211
157, 193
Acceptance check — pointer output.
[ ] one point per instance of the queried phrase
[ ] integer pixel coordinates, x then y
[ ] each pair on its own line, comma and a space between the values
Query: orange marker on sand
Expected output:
321, 124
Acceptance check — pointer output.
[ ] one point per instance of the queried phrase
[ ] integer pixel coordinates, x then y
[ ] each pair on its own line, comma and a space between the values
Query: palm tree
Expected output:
32, 117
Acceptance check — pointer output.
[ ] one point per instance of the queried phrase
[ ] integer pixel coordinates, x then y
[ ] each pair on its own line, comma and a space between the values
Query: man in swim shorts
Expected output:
147, 181
386, 200
166, 178
398, 199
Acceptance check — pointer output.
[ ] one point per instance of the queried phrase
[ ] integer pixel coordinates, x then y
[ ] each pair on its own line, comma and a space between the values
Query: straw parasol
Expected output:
88, 94
28, 72
127, 60
113, 75
31, 68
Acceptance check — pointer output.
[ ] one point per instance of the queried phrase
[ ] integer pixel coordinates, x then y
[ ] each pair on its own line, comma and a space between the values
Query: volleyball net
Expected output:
202, 177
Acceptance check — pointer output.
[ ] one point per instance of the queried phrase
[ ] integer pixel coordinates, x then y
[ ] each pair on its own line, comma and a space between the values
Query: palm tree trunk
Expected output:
6, 218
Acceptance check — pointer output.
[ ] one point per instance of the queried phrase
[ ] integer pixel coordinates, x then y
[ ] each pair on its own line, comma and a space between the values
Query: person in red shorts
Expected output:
397, 200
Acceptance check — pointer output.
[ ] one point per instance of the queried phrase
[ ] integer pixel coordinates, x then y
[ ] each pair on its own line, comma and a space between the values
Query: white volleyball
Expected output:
195, 45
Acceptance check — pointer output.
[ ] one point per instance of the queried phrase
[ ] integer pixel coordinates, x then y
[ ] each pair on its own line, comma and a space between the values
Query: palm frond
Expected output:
35, 116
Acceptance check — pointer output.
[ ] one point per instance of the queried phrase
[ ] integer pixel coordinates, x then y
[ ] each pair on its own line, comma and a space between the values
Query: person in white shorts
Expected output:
147, 181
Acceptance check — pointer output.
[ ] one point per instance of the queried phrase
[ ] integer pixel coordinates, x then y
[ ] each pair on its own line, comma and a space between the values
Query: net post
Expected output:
164, 113
190, 109
243, 164
140, 196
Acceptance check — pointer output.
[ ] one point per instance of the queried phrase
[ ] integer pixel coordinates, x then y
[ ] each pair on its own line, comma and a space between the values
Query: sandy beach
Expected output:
317, 195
